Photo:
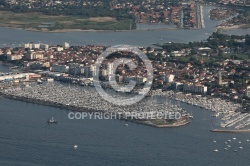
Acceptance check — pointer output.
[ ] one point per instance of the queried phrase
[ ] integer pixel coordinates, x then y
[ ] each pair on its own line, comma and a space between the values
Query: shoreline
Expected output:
84, 30
219, 27
163, 126
231, 131
81, 109
241, 26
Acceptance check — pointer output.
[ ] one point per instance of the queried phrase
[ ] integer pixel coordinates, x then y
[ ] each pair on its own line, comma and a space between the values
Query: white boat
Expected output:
126, 124
216, 115
191, 116
216, 150
39, 81
240, 147
52, 120
75, 146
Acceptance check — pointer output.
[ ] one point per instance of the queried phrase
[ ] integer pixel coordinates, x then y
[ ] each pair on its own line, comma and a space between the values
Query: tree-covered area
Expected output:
213, 42
247, 40
217, 42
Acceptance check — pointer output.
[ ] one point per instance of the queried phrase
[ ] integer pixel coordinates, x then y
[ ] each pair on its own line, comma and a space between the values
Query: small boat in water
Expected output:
216, 115
216, 150
52, 120
75, 146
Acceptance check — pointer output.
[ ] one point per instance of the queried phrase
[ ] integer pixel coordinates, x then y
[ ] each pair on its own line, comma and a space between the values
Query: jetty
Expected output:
231, 130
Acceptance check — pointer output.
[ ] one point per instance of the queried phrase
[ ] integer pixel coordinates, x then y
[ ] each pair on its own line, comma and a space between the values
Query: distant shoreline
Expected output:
241, 26
93, 30
85, 30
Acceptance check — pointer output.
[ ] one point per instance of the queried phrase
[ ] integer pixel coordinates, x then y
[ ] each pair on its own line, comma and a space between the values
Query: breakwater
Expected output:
231, 131
151, 122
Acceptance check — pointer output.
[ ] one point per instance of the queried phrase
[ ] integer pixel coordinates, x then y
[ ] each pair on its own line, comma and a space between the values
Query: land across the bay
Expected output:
146, 35
38, 22
232, 27
49, 23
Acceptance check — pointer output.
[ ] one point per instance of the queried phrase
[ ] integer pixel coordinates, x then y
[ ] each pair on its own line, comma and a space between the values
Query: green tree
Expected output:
247, 39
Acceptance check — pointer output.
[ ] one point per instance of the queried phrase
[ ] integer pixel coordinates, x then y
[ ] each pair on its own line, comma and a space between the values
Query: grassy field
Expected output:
246, 26
41, 22
236, 56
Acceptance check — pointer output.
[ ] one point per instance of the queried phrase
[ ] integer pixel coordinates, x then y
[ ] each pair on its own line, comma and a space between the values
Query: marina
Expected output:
78, 98
93, 136
228, 113
87, 99
216, 105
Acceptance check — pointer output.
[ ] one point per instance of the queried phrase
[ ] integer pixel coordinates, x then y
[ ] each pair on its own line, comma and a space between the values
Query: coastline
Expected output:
163, 126
84, 30
231, 131
230, 27
217, 28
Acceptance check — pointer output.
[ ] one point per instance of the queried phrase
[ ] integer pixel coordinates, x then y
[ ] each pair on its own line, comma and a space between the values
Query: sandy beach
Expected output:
230, 27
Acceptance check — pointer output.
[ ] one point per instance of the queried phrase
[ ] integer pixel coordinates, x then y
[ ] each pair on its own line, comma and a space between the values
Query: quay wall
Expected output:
230, 131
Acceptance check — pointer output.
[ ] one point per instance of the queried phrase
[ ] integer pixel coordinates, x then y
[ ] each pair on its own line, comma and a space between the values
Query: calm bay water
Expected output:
27, 139
4, 68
